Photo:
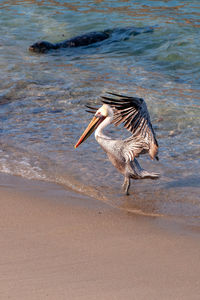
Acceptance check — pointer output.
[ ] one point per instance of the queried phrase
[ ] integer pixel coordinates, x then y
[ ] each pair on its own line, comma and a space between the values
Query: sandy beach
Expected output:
56, 244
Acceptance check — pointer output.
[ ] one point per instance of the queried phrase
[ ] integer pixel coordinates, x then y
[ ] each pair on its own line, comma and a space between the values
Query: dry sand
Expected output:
55, 244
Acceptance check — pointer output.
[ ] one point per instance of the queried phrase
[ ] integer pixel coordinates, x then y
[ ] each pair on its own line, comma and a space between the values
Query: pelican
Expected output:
132, 112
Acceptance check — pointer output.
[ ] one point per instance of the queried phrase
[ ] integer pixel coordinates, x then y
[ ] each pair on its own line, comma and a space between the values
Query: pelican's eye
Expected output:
98, 114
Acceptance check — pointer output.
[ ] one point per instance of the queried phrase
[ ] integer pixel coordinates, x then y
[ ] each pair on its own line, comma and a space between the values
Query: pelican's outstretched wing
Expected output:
133, 113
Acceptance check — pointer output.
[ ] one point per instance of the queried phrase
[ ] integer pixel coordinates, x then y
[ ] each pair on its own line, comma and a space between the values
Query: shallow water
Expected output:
42, 97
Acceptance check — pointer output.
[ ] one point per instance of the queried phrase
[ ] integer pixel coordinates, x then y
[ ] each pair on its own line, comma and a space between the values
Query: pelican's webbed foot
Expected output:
126, 185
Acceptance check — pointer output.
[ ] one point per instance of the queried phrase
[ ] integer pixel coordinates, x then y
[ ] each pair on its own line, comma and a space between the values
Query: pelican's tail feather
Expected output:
140, 173
151, 175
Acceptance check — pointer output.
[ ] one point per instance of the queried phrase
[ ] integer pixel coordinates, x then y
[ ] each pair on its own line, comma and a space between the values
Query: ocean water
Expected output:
43, 97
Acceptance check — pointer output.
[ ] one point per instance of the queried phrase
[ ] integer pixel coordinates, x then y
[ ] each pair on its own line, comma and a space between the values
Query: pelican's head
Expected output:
98, 118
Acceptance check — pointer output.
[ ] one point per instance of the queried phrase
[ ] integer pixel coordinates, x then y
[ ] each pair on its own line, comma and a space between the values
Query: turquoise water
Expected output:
42, 97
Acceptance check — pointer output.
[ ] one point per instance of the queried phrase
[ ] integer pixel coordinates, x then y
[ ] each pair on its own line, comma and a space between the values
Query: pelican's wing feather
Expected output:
133, 113
133, 147
91, 109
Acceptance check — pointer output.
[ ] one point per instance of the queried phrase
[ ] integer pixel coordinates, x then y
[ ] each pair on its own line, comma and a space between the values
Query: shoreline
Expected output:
56, 244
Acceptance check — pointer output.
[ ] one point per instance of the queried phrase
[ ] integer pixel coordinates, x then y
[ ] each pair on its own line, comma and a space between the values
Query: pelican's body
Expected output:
122, 153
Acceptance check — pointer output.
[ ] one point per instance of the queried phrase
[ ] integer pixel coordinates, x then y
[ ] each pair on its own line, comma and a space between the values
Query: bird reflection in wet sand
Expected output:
132, 112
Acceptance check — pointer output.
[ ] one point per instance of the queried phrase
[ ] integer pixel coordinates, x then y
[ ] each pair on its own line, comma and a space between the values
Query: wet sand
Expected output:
56, 244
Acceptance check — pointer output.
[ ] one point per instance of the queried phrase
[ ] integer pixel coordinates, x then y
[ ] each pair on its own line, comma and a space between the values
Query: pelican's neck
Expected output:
99, 131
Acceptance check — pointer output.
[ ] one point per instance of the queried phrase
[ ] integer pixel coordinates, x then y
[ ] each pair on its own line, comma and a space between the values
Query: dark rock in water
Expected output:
81, 40
89, 38
42, 47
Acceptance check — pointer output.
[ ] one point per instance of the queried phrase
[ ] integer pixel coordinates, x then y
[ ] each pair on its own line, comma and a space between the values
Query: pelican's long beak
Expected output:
89, 130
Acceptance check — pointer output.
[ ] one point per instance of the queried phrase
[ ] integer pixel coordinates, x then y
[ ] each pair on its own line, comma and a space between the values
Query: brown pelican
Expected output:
133, 113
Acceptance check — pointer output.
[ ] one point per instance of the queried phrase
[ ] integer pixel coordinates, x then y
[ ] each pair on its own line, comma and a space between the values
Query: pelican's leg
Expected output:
126, 185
